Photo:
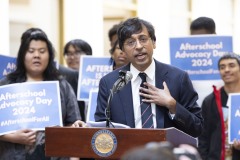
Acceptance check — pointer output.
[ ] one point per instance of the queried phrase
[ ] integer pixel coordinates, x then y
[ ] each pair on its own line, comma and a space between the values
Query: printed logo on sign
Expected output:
104, 143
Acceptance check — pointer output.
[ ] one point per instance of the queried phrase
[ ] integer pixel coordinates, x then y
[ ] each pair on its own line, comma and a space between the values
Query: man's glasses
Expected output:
131, 42
74, 54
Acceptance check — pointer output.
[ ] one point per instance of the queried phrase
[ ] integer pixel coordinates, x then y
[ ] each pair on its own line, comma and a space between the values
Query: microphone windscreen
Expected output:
128, 77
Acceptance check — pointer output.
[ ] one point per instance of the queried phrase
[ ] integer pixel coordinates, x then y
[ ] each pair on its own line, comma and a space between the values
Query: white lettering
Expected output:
43, 101
237, 114
92, 82
204, 46
99, 68
185, 54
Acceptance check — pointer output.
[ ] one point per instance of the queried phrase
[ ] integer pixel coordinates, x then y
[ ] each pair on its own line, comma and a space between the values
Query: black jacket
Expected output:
212, 139
72, 77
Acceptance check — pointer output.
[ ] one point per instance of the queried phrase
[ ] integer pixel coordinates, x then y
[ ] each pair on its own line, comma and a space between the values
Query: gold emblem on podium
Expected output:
104, 143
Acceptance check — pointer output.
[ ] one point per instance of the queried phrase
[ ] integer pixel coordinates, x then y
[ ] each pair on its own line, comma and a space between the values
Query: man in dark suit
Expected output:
168, 90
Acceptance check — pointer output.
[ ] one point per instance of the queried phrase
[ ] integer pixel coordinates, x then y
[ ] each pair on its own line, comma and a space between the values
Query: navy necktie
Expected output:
146, 109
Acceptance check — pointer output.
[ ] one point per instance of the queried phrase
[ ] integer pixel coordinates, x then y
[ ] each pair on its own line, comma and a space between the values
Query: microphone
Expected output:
124, 78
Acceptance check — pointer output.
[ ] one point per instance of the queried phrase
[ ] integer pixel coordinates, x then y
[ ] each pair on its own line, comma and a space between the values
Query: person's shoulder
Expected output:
4, 81
67, 71
64, 84
209, 98
111, 75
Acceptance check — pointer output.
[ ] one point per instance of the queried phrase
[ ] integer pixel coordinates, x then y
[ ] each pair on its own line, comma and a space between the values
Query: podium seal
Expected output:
104, 143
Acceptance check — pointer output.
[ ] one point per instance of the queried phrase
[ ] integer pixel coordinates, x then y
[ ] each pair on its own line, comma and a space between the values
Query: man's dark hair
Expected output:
112, 31
133, 26
229, 56
203, 23
79, 45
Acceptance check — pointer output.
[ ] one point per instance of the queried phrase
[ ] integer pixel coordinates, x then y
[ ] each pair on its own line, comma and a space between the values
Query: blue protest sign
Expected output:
7, 65
234, 117
32, 105
198, 55
92, 69
92, 105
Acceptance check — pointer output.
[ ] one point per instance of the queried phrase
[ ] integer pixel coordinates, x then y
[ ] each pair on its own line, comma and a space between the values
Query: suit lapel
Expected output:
127, 103
160, 76
125, 96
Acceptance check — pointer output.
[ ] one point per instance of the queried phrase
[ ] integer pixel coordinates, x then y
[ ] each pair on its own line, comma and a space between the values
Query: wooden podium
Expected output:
80, 142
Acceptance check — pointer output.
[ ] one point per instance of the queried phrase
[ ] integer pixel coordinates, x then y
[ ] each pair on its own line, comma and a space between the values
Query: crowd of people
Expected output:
213, 142
158, 95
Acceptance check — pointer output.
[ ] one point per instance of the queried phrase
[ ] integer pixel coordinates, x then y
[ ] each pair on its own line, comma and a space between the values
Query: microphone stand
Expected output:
112, 91
108, 112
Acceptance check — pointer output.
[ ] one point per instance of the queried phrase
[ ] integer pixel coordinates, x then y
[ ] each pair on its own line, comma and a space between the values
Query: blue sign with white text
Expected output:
32, 105
7, 65
92, 69
92, 106
234, 118
199, 55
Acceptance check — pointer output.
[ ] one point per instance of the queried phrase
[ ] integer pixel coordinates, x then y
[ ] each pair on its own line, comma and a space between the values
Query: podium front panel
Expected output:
77, 142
